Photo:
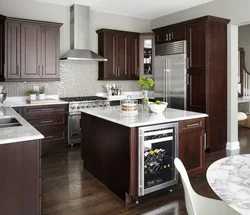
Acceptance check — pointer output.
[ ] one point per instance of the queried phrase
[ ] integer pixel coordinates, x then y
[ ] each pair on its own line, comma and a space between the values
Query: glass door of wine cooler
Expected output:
158, 146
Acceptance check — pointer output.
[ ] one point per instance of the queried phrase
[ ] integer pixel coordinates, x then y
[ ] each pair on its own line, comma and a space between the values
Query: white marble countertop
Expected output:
143, 118
21, 101
230, 180
26, 132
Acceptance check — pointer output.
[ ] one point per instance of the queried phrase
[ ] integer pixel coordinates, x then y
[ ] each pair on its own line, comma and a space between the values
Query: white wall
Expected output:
236, 10
244, 42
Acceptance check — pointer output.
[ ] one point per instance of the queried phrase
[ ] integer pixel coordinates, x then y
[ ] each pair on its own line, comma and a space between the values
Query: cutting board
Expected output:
42, 101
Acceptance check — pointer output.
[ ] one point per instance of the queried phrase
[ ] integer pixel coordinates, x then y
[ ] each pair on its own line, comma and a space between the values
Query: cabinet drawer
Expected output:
192, 124
59, 120
43, 110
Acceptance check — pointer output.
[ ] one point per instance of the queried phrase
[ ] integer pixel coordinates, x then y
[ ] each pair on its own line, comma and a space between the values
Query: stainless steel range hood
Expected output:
79, 36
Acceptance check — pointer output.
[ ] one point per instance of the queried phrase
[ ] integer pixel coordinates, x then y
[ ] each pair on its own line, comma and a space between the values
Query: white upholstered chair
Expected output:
197, 204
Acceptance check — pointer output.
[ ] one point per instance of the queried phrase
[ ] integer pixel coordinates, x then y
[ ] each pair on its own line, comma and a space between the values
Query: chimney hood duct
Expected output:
79, 36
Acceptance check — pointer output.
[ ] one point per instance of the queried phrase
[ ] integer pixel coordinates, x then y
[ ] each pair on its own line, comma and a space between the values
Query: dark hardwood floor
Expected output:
70, 190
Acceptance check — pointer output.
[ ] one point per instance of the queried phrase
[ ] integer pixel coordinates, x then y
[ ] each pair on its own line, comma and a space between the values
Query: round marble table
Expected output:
230, 180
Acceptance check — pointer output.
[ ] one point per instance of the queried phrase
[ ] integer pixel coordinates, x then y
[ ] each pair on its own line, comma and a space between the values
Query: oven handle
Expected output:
74, 113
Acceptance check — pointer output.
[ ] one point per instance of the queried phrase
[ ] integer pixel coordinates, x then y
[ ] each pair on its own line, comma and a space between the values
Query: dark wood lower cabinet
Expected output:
51, 121
20, 180
191, 145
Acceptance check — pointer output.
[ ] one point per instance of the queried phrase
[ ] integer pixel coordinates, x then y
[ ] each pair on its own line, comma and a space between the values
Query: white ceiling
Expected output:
146, 9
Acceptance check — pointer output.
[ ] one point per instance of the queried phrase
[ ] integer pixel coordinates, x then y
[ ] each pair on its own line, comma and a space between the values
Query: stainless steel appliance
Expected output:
170, 74
74, 117
158, 146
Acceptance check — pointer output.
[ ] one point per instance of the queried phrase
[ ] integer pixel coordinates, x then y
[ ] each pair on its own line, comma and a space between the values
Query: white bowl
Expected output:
158, 108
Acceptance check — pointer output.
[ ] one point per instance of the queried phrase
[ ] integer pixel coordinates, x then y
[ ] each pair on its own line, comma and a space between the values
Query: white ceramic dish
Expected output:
157, 108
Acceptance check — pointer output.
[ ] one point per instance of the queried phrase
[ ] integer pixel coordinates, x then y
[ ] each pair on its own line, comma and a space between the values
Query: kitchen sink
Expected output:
9, 122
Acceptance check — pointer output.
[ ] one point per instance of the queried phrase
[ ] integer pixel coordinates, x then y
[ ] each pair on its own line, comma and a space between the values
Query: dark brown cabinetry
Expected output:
122, 51
170, 33
20, 181
192, 139
196, 67
207, 75
51, 121
206, 39
2, 45
32, 50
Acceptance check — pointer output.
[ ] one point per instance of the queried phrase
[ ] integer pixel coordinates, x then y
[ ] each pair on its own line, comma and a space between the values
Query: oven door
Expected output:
74, 128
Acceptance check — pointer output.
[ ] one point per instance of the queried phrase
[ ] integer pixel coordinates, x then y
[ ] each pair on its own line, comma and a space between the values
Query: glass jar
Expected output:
129, 105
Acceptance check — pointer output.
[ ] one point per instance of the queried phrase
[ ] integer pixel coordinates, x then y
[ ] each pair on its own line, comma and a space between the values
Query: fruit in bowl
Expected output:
158, 106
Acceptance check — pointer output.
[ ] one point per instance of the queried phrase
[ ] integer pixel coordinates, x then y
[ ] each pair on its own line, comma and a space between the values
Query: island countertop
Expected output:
25, 132
143, 118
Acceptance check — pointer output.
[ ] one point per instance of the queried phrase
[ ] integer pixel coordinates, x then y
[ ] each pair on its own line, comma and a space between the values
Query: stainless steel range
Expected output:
74, 118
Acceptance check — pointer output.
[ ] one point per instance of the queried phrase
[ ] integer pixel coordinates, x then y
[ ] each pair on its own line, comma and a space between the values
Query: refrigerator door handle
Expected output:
188, 62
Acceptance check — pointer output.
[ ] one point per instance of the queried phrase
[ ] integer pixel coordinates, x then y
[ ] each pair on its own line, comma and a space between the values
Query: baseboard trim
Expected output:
233, 145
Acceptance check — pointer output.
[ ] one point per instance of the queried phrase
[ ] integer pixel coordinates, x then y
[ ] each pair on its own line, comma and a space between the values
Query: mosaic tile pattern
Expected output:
77, 79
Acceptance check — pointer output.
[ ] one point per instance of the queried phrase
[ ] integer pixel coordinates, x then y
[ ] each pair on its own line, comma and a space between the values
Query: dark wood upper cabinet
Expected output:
170, 33
32, 50
13, 50
2, 45
134, 59
50, 52
122, 51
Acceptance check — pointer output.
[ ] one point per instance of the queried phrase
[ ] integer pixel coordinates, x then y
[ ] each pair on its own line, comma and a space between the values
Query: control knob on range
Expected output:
73, 107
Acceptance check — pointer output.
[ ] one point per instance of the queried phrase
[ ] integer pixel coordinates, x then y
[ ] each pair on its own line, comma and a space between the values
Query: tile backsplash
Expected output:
77, 79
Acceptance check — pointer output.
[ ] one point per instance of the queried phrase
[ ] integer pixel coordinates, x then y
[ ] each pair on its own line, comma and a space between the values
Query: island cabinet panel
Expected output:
51, 121
109, 152
20, 181
191, 145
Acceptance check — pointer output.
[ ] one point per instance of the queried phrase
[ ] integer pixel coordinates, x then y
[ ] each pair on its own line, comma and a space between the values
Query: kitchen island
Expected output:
110, 144
20, 165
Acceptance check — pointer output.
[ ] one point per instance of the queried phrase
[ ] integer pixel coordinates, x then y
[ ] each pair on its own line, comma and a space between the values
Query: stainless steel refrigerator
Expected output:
170, 74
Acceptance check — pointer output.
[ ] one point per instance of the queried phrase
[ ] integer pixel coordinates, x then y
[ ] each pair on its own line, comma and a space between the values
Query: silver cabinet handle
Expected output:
114, 56
188, 63
170, 36
205, 141
42, 70
38, 68
193, 125
166, 37
125, 55
47, 109
17, 70
48, 121
118, 71
49, 137
187, 78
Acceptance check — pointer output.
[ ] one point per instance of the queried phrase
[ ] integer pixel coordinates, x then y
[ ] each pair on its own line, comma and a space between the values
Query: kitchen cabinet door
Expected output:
2, 44
30, 51
134, 64
122, 55
192, 152
50, 52
13, 48
177, 32
196, 67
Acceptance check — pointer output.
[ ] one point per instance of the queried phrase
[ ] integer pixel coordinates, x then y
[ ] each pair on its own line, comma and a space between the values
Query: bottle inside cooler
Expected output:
158, 163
